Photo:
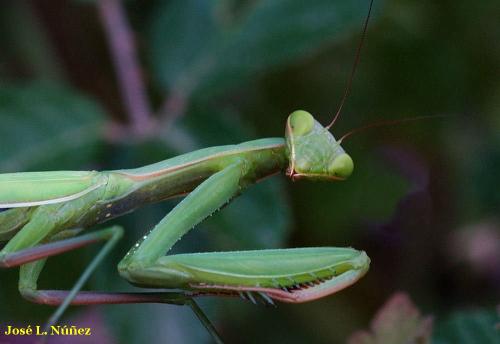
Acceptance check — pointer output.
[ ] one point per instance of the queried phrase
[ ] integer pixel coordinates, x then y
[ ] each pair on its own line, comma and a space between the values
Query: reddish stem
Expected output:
127, 68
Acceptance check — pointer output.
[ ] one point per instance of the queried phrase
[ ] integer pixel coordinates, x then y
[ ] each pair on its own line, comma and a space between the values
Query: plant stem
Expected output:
127, 68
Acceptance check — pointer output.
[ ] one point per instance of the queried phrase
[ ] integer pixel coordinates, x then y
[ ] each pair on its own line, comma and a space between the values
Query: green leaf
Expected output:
181, 34
278, 32
397, 322
42, 124
197, 44
344, 206
469, 327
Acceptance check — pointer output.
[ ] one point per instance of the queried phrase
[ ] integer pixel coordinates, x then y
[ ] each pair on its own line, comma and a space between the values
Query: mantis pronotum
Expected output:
45, 211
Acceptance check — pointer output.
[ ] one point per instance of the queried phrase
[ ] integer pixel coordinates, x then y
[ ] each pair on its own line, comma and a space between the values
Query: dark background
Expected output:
423, 200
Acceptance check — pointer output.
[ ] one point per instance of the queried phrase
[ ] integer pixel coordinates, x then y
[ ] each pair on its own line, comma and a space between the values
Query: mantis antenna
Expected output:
381, 123
384, 123
354, 67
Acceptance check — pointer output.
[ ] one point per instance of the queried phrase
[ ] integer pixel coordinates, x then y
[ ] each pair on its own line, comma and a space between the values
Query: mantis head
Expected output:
313, 151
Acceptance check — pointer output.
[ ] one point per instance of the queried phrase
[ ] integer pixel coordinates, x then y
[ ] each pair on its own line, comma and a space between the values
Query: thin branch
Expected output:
176, 103
127, 67
172, 108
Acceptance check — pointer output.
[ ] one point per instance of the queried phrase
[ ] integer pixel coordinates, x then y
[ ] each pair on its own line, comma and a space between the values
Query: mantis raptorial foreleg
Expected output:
263, 274
145, 261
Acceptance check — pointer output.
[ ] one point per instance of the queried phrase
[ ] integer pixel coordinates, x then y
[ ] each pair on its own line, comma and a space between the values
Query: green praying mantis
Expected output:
47, 209
44, 213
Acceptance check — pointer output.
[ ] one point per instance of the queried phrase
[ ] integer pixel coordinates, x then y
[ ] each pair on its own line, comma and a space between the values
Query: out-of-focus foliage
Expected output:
239, 68
43, 123
472, 327
398, 321
212, 45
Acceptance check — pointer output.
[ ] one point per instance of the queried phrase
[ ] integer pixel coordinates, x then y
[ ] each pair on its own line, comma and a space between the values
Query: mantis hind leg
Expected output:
21, 251
32, 261
29, 273
58, 297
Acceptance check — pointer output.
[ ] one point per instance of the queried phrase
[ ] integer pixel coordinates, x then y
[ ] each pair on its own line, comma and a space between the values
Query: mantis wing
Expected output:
27, 189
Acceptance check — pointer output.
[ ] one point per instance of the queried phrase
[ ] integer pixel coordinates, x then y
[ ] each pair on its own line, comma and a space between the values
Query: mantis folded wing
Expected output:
46, 209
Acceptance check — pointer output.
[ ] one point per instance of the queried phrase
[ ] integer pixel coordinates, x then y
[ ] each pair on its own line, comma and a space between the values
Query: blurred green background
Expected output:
423, 200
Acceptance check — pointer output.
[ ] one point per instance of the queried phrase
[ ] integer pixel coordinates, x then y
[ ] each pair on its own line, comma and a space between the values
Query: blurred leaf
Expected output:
181, 34
42, 124
210, 126
155, 323
476, 247
196, 44
397, 322
334, 211
473, 327
28, 41
484, 167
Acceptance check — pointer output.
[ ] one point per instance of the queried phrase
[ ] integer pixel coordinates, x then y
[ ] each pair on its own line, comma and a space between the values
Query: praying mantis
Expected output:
44, 213
46, 209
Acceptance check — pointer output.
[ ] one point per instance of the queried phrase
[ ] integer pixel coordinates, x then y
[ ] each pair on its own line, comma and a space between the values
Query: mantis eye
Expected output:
301, 122
341, 166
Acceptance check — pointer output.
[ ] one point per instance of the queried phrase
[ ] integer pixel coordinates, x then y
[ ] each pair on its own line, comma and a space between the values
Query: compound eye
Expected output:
301, 122
341, 166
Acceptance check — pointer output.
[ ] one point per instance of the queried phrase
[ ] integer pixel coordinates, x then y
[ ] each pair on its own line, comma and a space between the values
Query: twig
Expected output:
127, 68
173, 108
